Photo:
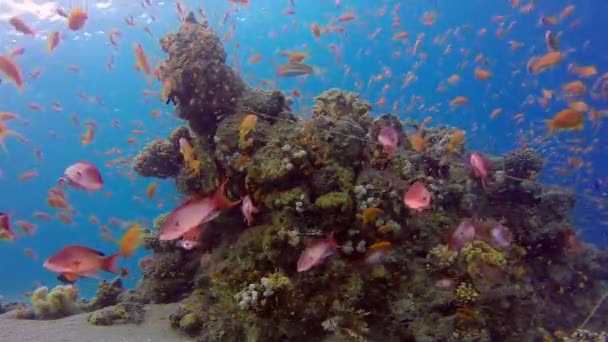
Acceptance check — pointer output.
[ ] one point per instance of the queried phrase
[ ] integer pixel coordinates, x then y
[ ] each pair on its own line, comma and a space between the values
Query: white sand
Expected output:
155, 328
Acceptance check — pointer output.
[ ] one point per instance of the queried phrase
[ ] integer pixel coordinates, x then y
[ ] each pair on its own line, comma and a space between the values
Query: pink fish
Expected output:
83, 175
190, 239
316, 253
480, 168
501, 236
388, 137
193, 212
248, 210
73, 262
417, 197
463, 234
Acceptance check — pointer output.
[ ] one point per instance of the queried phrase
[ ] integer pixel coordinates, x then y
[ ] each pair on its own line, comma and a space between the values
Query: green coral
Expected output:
466, 293
440, 258
335, 201
60, 302
278, 200
479, 251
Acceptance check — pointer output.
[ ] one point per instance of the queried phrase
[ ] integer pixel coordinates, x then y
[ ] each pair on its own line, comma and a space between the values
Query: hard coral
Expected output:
123, 313
205, 87
523, 163
336, 104
106, 295
60, 302
158, 159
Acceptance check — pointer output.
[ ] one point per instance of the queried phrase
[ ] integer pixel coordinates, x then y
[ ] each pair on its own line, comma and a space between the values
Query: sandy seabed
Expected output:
75, 328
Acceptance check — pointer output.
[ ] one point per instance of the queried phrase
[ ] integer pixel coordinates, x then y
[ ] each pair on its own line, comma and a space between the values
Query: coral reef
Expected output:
123, 313
106, 295
61, 301
396, 275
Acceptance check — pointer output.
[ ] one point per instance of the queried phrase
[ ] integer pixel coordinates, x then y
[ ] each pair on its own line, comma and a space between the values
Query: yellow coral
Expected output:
466, 293
478, 250
440, 258
60, 302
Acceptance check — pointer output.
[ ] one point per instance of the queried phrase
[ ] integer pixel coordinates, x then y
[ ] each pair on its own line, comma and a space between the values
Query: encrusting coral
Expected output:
398, 276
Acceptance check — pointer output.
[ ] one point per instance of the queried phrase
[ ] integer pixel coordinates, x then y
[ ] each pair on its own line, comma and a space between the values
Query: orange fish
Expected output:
537, 65
495, 113
5, 132
254, 59
567, 119
21, 26
418, 142
459, 100
77, 18
295, 57
400, 35
482, 75
316, 30
583, 71
579, 106
88, 135
130, 241
456, 141
151, 189
142, 61
11, 71
52, 41
575, 88
27, 175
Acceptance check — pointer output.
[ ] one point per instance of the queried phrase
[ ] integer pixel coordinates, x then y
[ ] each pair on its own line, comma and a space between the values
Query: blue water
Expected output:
262, 28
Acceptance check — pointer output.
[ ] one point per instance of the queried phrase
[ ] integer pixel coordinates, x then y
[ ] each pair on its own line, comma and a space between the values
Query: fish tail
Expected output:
220, 200
110, 263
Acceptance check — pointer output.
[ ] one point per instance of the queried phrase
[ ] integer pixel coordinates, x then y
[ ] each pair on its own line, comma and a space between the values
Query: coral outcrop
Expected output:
394, 276
61, 301
123, 313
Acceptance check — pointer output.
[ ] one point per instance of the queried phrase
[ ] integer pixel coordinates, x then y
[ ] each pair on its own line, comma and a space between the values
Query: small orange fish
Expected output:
537, 65
575, 88
52, 41
418, 142
370, 215
88, 135
495, 113
254, 59
482, 75
28, 175
21, 26
142, 61
316, 30
5, 132
456, 141
151, 189
583, 71
11, 71
567, 119
459, 100
77, 18
130, 241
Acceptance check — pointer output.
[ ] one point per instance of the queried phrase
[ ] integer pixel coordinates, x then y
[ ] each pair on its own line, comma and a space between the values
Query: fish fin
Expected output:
67, 278
90, 274
331, 240
109, 263
220, 200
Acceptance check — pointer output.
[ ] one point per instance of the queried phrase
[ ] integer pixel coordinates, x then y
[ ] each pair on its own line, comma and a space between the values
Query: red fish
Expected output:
417, 197
465, 232
388, 137
316, 253
21, 26
6, 233
73, 262
248, 210
193, 212
83, 175
480, 168
12, 71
